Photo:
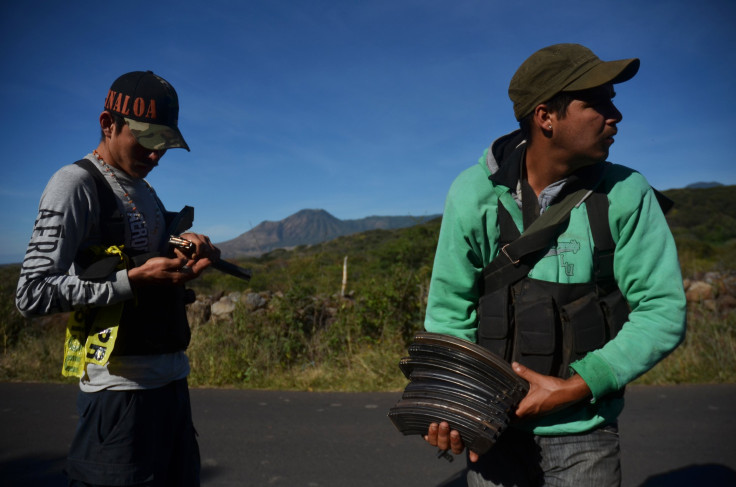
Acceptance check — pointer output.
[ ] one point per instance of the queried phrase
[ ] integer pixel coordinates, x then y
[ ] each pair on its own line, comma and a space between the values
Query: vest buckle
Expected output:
503, 249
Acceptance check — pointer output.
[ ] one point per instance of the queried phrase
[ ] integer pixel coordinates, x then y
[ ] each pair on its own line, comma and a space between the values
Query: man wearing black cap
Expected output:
99, 249
563, 264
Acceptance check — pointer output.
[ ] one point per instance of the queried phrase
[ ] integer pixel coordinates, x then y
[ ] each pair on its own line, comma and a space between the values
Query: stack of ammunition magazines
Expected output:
459, 382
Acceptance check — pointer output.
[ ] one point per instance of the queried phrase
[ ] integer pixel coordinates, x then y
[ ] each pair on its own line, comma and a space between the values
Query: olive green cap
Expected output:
563, 67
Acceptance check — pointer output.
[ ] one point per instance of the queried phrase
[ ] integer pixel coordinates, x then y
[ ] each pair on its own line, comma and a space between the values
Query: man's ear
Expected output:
543, 119
107, 124
542, 116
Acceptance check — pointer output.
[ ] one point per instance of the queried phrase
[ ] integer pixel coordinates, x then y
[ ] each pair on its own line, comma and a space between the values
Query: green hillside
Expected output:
703, 222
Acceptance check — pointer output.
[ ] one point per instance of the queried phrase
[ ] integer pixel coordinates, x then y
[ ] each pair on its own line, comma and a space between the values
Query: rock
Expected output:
728, 284
234, 297
699, 291
218, 295
710, 304
199, 312
727, 302
254, 301
223, 309
711, 277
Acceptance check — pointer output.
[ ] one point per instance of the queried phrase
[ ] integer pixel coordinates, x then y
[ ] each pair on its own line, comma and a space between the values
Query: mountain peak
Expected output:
703, 185
312, 211
307, 227
311, 216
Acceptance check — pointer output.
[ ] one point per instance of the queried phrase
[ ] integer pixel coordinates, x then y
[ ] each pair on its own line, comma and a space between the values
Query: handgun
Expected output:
221, 265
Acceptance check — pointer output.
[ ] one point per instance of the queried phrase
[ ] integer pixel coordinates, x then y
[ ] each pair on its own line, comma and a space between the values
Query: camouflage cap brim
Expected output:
156, 137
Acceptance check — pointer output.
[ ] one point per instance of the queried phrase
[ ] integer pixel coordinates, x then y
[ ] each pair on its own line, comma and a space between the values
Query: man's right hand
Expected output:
166, 271
442, 437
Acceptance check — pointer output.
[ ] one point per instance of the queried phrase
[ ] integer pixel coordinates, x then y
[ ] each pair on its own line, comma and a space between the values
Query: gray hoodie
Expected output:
67, 222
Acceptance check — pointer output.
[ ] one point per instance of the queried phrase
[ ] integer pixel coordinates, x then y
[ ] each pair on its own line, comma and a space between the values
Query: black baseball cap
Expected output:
150, 107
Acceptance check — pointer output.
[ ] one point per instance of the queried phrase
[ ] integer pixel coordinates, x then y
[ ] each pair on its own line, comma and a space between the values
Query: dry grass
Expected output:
223, 355
708, 354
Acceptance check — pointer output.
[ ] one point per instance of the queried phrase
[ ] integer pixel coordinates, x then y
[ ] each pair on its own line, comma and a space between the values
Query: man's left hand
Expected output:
204, 249
548, 394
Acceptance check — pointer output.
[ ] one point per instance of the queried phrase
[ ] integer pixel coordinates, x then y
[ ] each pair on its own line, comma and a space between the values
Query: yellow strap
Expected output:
100, 339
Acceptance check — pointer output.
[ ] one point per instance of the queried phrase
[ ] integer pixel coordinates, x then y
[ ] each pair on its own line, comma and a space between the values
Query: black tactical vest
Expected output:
155, 320
545, 325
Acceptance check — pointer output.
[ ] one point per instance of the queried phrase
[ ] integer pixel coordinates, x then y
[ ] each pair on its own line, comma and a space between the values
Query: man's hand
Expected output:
439, 435
177, 270
166, 271
203, 247
548, 394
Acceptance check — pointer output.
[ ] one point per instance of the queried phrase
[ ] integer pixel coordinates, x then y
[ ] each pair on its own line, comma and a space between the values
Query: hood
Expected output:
503, 159
504, 149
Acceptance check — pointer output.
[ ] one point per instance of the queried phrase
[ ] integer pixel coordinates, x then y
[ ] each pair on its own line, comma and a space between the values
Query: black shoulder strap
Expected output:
597, 207
604, 246
507, 230
112, 229
517, 258
111, 220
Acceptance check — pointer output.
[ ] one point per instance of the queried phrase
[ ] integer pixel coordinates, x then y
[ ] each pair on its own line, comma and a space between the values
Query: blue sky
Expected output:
356, 107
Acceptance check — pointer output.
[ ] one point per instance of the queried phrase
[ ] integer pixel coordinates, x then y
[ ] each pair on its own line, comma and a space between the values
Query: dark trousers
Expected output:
143, 437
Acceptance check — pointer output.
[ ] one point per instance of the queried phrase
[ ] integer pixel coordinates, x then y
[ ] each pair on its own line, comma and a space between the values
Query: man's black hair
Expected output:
557, 104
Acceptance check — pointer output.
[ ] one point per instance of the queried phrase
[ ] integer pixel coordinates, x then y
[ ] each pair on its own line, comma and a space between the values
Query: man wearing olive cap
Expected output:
599, 305
128, 331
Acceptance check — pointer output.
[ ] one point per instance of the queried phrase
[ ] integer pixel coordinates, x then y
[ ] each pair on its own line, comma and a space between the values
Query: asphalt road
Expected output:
670, 436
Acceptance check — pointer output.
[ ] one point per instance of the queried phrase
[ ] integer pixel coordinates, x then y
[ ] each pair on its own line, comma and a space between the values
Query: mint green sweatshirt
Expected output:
646, 268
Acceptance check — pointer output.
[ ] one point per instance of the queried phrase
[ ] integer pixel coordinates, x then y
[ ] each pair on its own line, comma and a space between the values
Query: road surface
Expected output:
670, 436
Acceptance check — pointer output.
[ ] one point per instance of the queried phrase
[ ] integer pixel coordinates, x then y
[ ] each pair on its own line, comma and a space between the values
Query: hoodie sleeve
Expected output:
647, 271
462, 248
68, 212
